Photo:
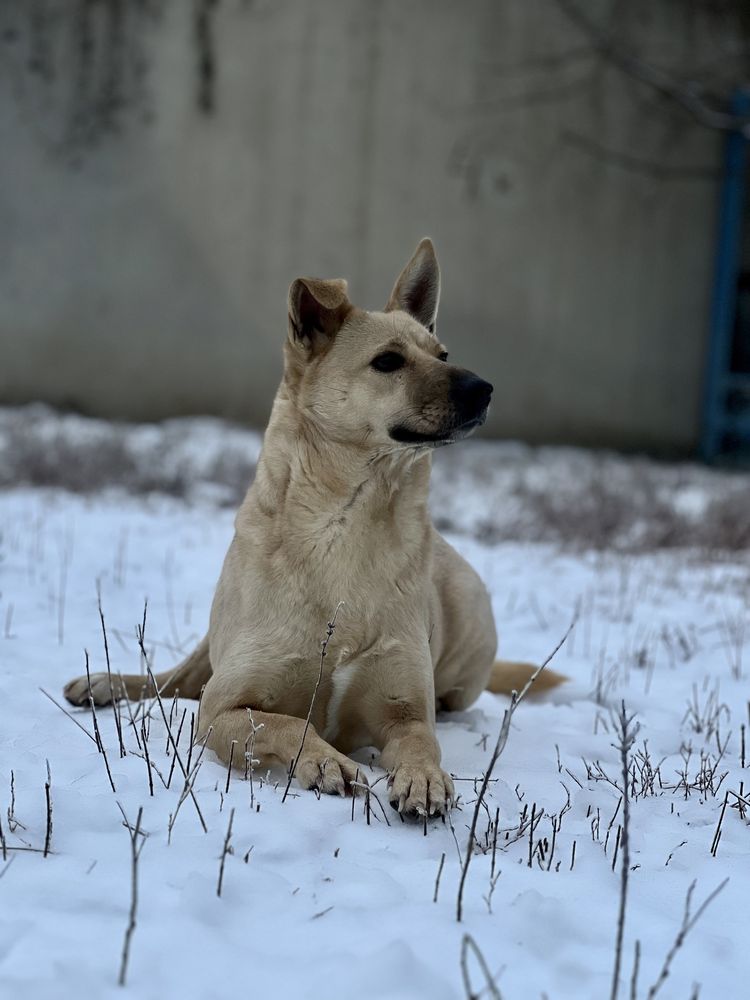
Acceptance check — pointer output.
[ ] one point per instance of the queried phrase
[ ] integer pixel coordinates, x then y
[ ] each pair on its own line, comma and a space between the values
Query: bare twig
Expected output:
13, 821
65, 712
135, 853
627, 734
177, 743
688, 922
129, 706
250, 760
148, 760
491, 988
323, 651
437, 880
188, 786
636, 968
369, 793
502, 739
228, 849
48, 797
115, 702
717, 834
97, 734
229, 766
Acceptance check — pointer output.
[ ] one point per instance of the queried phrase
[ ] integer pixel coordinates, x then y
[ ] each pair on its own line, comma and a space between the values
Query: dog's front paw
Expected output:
421, 790
77, 690
330, 772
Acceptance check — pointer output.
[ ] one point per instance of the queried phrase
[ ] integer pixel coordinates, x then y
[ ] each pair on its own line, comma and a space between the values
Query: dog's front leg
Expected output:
271, 738
404, 727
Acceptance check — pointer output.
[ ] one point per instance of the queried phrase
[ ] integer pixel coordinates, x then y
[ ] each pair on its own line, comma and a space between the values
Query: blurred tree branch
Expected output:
708, 109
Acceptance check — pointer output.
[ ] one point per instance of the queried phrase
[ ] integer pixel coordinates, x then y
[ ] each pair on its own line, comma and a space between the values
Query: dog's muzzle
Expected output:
469, 397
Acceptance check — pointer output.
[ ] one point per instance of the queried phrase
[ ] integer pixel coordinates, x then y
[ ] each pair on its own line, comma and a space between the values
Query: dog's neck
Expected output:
319, 493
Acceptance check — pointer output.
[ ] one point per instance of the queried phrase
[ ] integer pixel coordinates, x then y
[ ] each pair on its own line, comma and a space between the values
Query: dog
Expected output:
336, 529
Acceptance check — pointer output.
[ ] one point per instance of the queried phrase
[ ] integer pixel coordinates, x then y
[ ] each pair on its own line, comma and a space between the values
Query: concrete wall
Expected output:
572, 212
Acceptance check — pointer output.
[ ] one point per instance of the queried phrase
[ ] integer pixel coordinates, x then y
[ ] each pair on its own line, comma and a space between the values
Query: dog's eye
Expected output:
443, 356
389, 361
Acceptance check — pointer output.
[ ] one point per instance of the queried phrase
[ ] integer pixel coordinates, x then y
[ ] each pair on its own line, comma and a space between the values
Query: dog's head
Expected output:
379, 380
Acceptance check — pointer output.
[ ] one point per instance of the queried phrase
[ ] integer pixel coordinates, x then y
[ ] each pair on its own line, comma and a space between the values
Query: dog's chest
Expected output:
341, 682
347, 689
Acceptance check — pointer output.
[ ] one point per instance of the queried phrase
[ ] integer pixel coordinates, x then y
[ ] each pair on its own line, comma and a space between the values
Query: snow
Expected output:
316, 904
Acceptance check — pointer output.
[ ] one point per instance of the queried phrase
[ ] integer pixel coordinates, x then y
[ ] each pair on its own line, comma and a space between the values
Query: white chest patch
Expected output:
341, 678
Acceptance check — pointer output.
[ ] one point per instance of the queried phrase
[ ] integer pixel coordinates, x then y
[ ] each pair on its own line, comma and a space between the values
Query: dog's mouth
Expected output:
408, 435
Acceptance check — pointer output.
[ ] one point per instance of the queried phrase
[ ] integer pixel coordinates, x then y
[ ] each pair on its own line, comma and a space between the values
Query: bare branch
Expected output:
686, 94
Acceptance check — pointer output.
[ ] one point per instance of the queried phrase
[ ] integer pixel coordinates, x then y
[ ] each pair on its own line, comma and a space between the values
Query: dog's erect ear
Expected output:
317, 309
417, 290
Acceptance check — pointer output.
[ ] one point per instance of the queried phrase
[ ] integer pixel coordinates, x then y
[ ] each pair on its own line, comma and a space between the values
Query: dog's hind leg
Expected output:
275, 739
187, 679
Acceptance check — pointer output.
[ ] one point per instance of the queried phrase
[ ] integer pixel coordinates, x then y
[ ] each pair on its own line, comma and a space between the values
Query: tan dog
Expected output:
338, 514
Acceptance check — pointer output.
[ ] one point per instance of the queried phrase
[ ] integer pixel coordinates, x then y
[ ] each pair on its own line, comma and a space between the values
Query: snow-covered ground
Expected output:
317, 901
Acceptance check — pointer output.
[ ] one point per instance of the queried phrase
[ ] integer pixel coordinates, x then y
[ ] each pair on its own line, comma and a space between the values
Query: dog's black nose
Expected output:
471, 394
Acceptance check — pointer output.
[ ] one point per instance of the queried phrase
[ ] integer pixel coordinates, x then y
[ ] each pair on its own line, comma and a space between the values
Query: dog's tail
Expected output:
507, 676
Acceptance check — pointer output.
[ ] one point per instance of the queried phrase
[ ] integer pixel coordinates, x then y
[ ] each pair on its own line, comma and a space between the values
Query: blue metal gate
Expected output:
726, 403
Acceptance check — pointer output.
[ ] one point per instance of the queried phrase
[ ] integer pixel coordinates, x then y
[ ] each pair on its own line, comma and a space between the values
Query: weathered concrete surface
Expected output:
149, 277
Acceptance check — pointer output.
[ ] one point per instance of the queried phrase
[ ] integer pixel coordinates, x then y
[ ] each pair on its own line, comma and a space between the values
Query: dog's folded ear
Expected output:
417, 290
317, 310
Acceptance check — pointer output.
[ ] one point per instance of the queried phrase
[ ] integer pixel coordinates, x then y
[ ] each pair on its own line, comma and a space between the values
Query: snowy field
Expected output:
332, 900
